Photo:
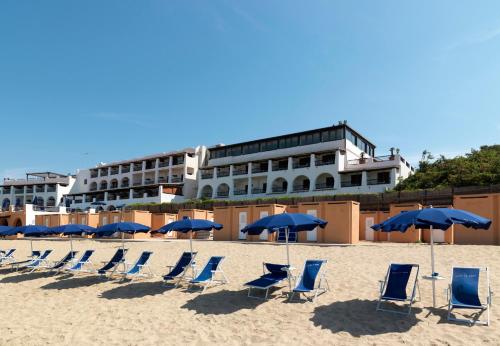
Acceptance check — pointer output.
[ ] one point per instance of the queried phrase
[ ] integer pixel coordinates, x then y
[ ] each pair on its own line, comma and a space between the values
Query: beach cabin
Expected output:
412, 235
160, 219
367, 219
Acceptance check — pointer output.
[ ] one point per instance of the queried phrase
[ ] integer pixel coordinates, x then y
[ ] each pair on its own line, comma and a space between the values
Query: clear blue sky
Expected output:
89, 81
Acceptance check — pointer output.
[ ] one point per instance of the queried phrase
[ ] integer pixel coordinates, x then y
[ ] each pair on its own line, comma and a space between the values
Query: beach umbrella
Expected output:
122, 227
290, 222
432, 218
34, 231
73, 229
189, 225
7, 230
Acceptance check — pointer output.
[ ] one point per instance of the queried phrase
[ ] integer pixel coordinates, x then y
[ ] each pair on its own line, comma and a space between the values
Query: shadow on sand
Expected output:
21, 277
357, 317
74, 282
136, 290
221, 302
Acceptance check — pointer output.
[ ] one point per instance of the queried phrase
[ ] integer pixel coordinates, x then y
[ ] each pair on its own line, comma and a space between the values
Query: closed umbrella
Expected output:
439, 218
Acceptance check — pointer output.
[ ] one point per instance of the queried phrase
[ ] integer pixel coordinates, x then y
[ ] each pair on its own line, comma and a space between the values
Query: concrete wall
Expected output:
487, 205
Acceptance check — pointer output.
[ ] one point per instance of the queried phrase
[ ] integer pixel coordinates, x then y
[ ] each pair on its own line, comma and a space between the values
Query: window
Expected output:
251, 148
270, 145
383, 177
84, 181
356, 180
234, 151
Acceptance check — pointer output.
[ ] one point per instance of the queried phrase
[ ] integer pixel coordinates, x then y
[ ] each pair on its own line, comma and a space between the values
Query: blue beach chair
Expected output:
208, 276
57, 266
395, 286
273, 275
179, 270
306, 281
463, 293
7, 256
112, 265
40, 261
82, 263
137, 269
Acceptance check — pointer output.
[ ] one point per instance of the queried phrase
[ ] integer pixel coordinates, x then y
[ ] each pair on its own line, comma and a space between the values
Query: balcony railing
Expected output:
324, 186
104, 172
125, 185
51, 189
240, 171
137, 183
162, 180
324, 162
178, 161
361, 161
18, 191
223, 194
239, 192
40, 189
150, 165
222, 173
163, 164
176, 180
111, 197
29, 189
6, 191
349, 184
138, 195
149, 181
278, 189
137, 167
206, 195
277, 167
378, 181
93, 188
298, 164
125, 169
114, 171
207, 175
300, 188
258, 190
94, 174
258, 169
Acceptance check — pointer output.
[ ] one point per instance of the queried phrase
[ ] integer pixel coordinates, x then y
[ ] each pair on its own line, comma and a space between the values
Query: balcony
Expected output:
139, 194
94, 174
258, 190
239, 192
222, 194
379, 181
40, 188
104, 172
125, 169
111, 197
260, 168
240, 170
303, 162
223, 172
176, 180
278, 189
207, 174
350, 183
178, 160
324, 186
300, 188
325, 161
6, 190
29, 189
125, 184
149, 181
163, 163
19, 191
163, 180
280, 166
137, 167
137, 183
114, 171
150, 164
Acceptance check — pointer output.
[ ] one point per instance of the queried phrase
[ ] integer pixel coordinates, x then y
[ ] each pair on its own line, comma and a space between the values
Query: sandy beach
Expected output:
42, 309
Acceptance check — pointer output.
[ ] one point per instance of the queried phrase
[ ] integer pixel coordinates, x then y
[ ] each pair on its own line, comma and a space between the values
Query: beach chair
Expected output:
7, 256
82, 263
137, 269
57, 266
273, 275
178, 271
39, 262
394, 287
463, 293
112, 265
208, 276
306, 281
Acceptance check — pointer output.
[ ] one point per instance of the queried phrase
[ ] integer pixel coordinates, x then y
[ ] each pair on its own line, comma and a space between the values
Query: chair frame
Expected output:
318, 290
213, 281
42, 260
483, 307
7, 256
267, 288
130, 265
411, 300
54, 263
181, 276
116, 265
88, 262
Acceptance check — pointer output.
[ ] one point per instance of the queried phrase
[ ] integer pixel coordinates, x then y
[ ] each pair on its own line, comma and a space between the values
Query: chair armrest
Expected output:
381, 286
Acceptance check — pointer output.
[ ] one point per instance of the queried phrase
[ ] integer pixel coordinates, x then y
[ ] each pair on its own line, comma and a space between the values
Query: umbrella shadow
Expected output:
359, 317
222, 302
136, 290
23, 277
74, 282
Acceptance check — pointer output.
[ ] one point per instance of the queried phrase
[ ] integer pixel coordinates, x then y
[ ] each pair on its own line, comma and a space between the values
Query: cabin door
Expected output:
264, 235
312, 235
369, 232
242, 224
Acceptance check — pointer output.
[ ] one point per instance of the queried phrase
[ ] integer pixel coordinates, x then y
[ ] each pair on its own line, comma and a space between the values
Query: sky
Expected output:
83, 82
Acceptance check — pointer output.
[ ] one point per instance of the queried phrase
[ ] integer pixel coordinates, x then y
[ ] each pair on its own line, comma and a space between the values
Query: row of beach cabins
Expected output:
347, 223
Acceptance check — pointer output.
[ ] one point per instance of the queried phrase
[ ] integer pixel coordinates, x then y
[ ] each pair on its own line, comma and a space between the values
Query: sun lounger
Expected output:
395, 286
82, 263
138, 268
57, 266
181, 267
208, 276
112, 265
306, 281
463, 293
7, 256
39, 262
273, 275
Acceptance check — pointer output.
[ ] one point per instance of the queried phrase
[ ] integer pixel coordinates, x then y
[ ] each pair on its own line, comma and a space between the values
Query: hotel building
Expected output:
160, 178
43, 190
330, 160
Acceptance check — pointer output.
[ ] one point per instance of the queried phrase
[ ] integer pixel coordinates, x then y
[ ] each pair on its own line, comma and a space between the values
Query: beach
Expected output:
41, 309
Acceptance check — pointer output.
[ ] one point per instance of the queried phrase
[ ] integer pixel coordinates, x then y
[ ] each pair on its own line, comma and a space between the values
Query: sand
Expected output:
41, 309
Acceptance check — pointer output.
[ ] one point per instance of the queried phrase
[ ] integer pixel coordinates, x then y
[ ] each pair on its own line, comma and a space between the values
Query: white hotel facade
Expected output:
325, 161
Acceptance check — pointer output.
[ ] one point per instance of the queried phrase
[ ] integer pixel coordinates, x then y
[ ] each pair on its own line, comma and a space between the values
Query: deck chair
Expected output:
306, 281
7, 256
39, 262
178, 271
112, 265
137, 269
394, 287
57, 266
208, 276
84, 261
273, 275
34, 254
463, 293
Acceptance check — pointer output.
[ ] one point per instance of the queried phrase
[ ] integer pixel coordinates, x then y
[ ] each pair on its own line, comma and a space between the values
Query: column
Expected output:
313, 160
364, 178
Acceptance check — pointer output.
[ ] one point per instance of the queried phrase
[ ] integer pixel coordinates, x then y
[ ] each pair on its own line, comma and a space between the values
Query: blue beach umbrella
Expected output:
122, 227
290, 222
430, 218
7, 230
34, 231
73, 229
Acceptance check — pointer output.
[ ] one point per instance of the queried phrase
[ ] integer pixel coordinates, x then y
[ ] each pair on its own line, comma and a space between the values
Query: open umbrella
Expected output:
34, 231
294, 222
73, 229
190, 225
7, 230
439, 218
122, 227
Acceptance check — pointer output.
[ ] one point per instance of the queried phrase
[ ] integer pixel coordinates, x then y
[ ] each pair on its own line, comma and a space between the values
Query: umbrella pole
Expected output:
71, 242
432, 268
123, 249
191, 248
288, 259
31, 243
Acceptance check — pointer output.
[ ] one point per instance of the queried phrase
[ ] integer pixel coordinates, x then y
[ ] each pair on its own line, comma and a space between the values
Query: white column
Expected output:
313, 160
364, 178
290, 163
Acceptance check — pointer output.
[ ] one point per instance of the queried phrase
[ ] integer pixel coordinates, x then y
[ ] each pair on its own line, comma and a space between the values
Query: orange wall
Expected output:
159, 220
343, 222
192, 214
412, 235
377, 217
223, 215
488, 206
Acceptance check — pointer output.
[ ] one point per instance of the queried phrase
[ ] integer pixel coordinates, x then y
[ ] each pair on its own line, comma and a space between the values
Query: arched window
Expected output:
113, 184
280, 185
5, 204
125, 182
301, 184
103, 185
223, 190
207, 191
325, 181
51, 202
93, 186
